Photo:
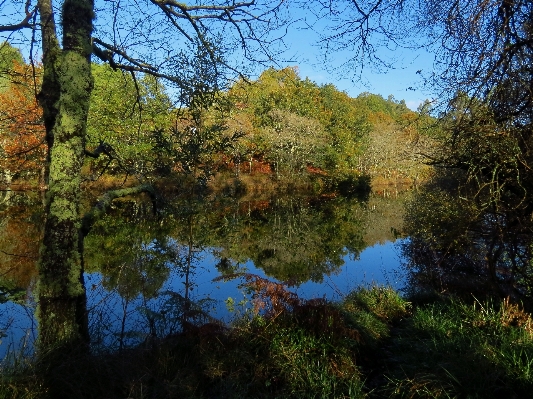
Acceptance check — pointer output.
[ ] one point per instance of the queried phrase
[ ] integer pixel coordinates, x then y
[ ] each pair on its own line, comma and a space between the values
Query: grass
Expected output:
18, 377
374, 344
451, 349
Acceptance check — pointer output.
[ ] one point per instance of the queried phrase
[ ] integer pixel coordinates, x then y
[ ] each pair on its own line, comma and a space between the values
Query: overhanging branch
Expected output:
101, 207
135, 65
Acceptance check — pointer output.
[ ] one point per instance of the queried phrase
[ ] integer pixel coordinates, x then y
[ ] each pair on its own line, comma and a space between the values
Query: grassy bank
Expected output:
373, 344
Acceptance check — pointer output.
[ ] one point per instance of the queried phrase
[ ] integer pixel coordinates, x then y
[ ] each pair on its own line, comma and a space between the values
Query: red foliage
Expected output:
315, 315
268, 296
259, 166
316, 171
22, 145
274, 298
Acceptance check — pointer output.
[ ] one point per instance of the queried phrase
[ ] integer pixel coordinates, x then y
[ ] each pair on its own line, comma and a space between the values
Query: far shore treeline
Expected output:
280, 127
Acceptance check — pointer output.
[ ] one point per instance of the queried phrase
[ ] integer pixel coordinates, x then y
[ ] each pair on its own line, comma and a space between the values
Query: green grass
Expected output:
454, 349
374, 344
17, 377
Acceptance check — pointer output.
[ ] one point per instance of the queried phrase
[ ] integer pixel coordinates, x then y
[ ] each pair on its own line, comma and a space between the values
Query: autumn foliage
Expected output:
22, 144
19, 244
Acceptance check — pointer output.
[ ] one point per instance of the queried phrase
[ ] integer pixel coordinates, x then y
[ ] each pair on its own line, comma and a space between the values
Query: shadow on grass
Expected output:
452, 349
372, 344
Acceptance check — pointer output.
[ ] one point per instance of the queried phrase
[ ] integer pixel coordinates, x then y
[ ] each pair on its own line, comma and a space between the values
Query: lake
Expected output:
145, 271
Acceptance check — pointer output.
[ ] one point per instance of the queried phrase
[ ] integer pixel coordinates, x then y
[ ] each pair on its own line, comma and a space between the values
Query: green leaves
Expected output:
8, 55
296, 123
124, 112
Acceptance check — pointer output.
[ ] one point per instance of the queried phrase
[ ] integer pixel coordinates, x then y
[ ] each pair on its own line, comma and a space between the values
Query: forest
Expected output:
279, 125
136, 139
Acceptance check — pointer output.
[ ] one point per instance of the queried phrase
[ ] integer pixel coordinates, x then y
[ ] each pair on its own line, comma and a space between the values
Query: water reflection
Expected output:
292, 239
469, 247
146, 273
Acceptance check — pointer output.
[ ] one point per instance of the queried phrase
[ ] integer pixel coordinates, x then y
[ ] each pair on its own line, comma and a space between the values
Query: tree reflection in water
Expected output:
468, 247
145, 273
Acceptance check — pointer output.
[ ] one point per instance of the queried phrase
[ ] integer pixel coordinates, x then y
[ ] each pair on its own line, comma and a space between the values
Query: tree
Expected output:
482, 48
296, 123
21, 132
484, 76
488, 124
132, 44
125, 111
486, 132
483, 52
295, 142
8, 56
22, 148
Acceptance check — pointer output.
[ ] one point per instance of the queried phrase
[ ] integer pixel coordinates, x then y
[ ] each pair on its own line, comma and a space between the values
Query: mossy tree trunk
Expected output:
65, 94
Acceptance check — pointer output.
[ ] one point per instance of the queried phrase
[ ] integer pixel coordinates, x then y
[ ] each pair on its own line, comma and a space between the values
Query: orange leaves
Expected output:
22, 131
269, 296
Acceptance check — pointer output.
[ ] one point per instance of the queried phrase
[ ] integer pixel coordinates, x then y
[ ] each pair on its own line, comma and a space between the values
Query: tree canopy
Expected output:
22, 146
295, 123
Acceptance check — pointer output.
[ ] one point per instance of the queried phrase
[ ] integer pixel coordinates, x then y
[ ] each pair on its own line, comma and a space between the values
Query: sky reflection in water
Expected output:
379, 264
130, 253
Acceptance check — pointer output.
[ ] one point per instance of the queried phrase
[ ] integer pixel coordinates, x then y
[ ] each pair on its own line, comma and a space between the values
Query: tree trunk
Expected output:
67, 86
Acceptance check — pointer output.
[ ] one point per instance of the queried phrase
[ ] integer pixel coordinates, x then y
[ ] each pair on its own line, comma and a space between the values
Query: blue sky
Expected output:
402, 80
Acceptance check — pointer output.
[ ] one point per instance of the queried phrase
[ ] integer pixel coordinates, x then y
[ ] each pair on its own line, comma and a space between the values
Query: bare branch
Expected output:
25, 23
18, 255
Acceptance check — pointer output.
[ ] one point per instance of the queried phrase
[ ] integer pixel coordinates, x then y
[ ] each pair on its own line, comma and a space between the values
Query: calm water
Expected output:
138, 264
